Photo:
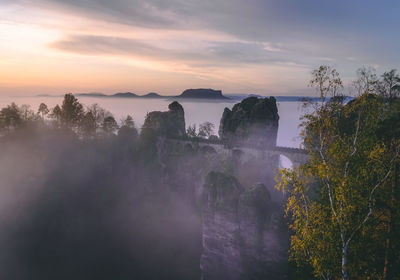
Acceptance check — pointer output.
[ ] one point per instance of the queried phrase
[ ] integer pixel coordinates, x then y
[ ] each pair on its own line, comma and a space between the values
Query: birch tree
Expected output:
332, 200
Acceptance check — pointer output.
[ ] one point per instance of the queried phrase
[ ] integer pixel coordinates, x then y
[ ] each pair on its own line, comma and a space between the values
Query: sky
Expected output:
239, 46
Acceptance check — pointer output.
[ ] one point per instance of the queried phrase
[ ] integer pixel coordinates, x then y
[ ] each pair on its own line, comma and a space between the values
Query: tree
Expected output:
327, 82
110, 125
389, 131
206, 130
99, 114
87, 125
335, 198
128, 122
389, 86
56, 114
10, 117
366, 81
191, 131
128, 132
43, 110
71, 111
26, 113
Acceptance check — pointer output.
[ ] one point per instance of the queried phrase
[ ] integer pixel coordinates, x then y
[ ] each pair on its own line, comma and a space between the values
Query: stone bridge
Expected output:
296, 156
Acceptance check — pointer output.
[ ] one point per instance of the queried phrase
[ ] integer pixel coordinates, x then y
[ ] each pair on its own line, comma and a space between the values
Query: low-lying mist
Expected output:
83, 197
73, 209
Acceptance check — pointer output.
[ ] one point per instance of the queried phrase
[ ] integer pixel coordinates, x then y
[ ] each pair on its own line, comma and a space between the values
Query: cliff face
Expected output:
241, 239
221, 233
170, 123
253, 122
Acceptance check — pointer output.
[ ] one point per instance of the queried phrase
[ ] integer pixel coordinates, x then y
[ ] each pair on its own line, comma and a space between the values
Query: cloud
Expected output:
319, 29
213, 53
258, 20
133, 12
254, 41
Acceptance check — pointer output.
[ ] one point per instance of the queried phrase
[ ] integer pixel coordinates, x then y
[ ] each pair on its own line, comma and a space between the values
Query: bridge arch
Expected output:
285, 162
291, 157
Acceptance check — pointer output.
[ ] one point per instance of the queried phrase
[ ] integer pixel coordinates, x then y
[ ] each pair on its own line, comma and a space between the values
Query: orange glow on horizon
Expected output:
30, 63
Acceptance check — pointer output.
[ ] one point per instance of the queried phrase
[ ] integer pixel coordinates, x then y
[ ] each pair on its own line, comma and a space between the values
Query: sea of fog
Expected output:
196, 112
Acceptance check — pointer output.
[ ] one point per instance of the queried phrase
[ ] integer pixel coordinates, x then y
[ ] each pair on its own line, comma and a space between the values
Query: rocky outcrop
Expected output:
168, 124
241, 239
202, 93
221, 232
252, 122
264, 245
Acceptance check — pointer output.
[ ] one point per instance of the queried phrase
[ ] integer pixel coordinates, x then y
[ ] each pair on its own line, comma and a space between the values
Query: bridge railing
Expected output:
243, 145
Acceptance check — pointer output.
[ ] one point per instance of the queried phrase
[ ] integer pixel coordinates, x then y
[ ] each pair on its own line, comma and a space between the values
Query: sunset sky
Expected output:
238, 46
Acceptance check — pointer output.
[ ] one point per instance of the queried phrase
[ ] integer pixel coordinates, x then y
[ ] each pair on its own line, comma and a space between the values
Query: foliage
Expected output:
127, 130
99, 114
339, 202
206, 130
71, 111
128, 122
327, 82
366, 81
43, 110
13, 117
110, 125
191, 131
389, 86
87, 124
10, 117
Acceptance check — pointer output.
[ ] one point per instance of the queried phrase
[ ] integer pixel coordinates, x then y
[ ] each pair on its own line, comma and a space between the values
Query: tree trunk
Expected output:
387, 246
344, 262
390, 230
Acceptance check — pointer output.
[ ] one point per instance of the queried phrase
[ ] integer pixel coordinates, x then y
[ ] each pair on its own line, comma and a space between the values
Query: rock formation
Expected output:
264, 244
169, 124
202, 93
221, 233
252, 122
241, 237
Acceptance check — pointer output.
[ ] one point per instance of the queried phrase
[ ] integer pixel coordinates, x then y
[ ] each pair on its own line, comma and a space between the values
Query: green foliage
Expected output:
339, 201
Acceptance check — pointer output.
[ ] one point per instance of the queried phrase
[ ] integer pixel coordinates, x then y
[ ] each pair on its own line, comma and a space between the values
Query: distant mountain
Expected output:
202, 93
124, 94
151, 95
91, 94
44, 95
279, 98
